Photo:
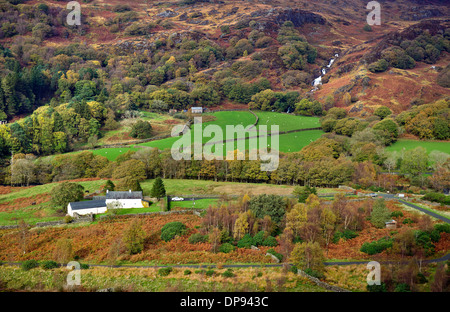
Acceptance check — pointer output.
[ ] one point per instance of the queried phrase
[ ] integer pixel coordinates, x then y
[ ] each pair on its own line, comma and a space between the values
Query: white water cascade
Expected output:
318, 81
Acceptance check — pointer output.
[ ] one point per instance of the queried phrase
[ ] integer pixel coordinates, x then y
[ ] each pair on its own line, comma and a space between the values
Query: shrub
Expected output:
442, 227
402, 287
259, 238
172, 229
29, 264
165, 271
228, 273
407, 221
396, 214
246, 242
313, 273
276, 254
187, 272
141, 130
376, 246
68, 219
376, 288
379, 66
346, 234
226, 248
84, 266
48, 265
210, 273
437, 197
270, 241
198, 238
367, 27
425, 239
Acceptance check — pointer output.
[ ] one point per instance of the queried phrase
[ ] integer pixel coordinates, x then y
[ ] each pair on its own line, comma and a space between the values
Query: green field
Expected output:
286, 122
291, 142
428, 145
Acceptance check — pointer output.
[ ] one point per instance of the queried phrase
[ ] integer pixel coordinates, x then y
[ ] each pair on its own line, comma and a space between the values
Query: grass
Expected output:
185, 187
34, 213
286, 122
197, 204
439, 212
428, 145
291, 142
113, 153
148, 280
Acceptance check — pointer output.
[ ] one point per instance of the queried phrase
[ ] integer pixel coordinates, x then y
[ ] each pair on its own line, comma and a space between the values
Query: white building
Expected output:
196, 110
119, 199
86, 207
126, 199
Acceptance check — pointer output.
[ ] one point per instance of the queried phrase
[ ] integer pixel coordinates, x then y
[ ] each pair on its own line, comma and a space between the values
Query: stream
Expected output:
318, 81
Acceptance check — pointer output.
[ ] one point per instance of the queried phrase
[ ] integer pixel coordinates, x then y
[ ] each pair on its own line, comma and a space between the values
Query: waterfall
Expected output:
318, 80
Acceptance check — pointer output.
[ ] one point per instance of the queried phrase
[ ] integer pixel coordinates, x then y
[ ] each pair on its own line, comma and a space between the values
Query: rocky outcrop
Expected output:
275, 17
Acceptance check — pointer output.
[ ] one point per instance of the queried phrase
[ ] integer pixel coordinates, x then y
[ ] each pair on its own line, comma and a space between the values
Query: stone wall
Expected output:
83, 219
322, 284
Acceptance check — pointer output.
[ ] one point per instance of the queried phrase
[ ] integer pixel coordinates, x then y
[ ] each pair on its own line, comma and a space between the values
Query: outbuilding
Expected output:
196, 110
87, 207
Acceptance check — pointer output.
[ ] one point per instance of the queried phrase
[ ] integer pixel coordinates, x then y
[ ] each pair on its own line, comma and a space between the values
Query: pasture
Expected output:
428, 145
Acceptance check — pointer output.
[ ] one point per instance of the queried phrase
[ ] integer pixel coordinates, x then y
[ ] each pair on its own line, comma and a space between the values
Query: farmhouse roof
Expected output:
124, 195
88, 204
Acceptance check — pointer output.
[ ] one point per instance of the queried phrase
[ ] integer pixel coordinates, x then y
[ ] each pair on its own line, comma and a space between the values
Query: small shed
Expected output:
391, 224
196, 110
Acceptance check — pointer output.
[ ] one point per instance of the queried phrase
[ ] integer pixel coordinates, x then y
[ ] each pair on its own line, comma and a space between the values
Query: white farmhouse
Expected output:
125, 199
99, 205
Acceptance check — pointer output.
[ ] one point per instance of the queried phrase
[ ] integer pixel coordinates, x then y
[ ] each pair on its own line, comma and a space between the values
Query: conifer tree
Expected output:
158, 189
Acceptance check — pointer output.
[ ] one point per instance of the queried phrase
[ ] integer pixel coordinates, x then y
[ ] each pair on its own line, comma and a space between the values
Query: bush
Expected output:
437, 197
346, 234
226, 248
377, 246
396, 214
29, 264
442, 227
379, 66
313, 273
210, 273
84, 266
187, 272
425, 239
259, 238
376, 288
407, 220
165, 271
68, 219
367, 27
270, 241
246, 242
48, 265
172, 229
141, 130
228, 273
402, 287
198, 238
276, 254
